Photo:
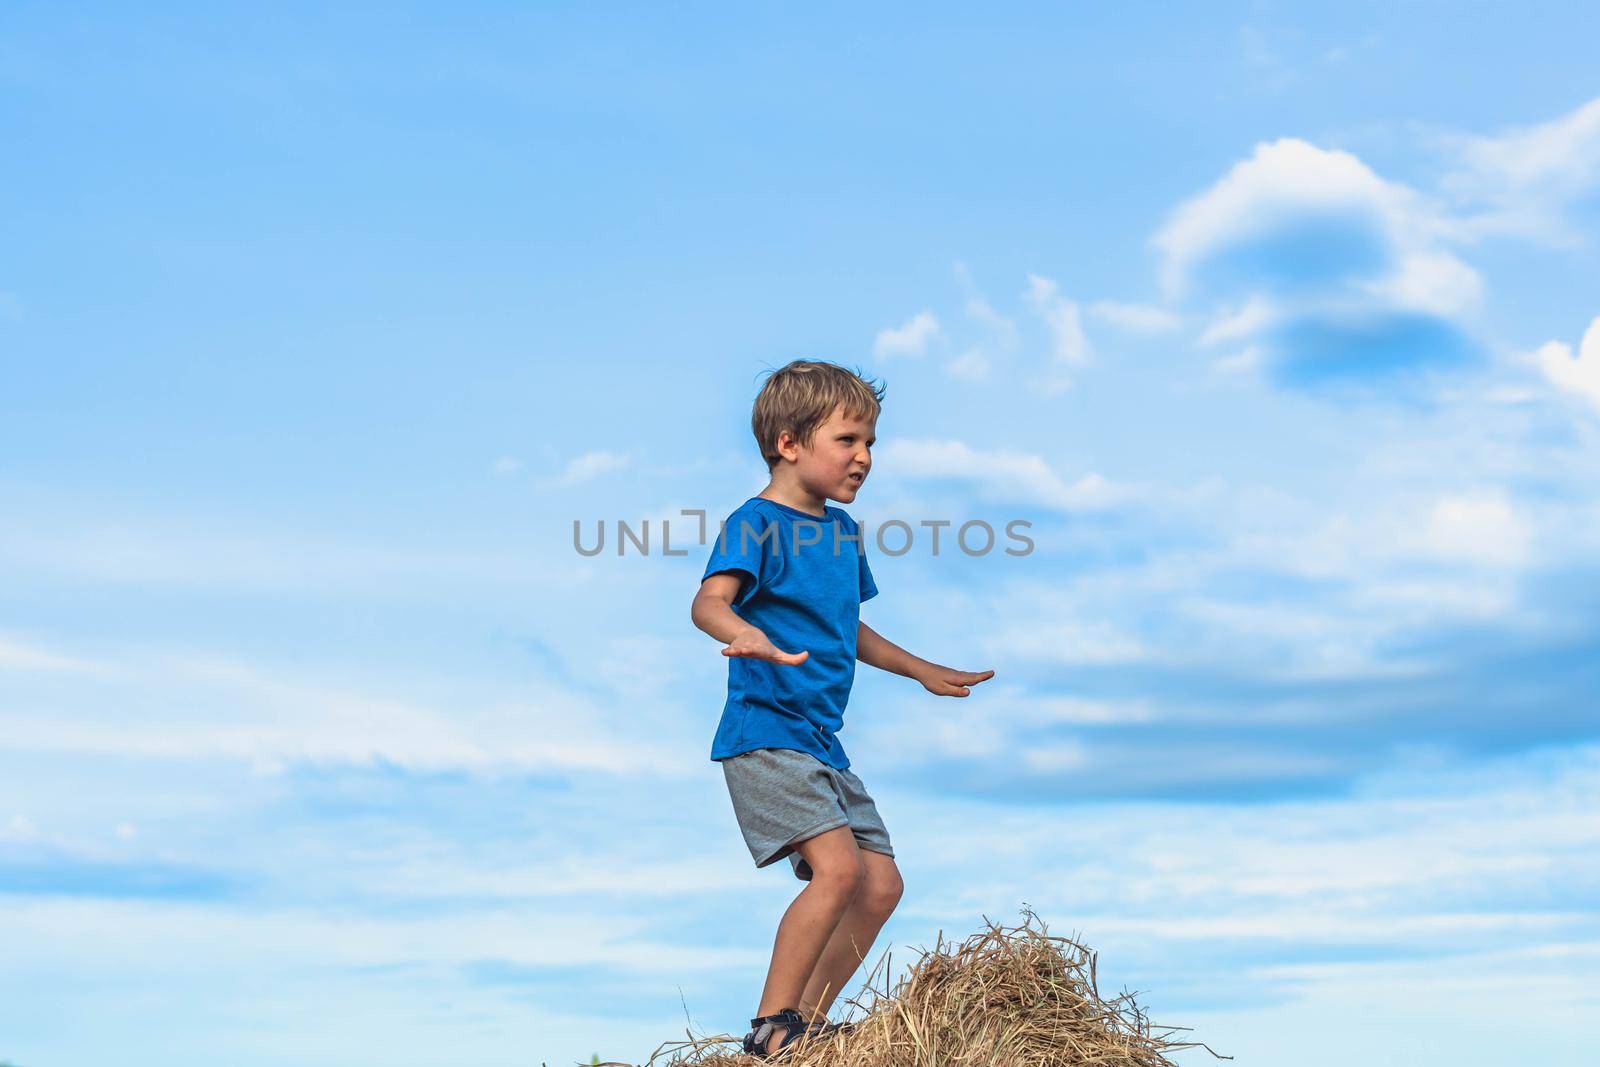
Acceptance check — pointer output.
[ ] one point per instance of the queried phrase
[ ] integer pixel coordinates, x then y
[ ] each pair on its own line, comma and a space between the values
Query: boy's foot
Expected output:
822, 1029
785, 1028
773, 1032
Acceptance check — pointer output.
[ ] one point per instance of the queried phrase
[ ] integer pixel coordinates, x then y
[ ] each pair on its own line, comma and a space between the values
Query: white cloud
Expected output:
1578, 373
909, 339
1481, 527
19, 828
1256, 314
1003, 328
1005, 719
1287, 640
19, 656
1055, 756
1520, 182
209, 708
1380, 556
973, 365
586, 468
1068, 343
1387, 864
1289, 180
1478, 526
1430, 281
1079, 710
1563, 153
1136, 318
1050, 383
203, 552
996, 333
1243, 361
981, 311
1000, 473
1319, 269
169, 933
1283, 176
1070, 641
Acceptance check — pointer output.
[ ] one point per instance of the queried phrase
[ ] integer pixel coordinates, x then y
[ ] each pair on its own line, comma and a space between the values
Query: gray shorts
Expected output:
782, 797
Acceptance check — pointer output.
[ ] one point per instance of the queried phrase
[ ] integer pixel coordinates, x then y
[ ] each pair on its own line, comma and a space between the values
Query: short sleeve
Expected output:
869, 588
747, 546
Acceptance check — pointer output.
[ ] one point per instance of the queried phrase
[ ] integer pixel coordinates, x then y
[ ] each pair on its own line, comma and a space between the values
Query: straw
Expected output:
1013, 996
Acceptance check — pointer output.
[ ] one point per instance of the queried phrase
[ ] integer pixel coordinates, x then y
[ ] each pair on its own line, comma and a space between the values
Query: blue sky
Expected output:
320, 327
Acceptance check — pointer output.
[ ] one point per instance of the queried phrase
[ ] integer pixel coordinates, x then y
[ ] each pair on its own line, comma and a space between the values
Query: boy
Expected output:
783, 590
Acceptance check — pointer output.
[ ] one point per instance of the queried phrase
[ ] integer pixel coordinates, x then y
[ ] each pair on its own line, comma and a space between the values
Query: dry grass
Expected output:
1013, 996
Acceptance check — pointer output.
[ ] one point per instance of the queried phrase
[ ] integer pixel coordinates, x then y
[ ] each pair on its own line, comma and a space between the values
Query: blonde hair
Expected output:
800, 396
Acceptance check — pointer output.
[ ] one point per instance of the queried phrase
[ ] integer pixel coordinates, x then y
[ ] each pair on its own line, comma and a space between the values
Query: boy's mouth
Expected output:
856, 478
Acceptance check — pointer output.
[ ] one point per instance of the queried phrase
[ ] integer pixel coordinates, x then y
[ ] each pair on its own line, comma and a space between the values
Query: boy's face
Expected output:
837, 461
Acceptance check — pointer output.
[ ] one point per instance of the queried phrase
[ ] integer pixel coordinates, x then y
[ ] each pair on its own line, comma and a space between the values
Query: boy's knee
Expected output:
844, 875
880, 895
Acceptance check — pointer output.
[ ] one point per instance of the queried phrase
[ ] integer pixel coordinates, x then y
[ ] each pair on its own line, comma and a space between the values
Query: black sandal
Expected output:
755, 1042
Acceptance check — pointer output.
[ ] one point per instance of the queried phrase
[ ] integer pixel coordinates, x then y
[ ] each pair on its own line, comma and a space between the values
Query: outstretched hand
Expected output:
949, 682
754, 643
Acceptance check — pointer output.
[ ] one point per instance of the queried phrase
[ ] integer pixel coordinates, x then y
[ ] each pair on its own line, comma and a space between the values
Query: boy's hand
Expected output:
754, 643
949, 682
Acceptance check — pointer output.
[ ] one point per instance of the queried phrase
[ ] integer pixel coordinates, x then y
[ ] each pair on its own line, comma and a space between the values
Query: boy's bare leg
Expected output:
852, 938
810, 921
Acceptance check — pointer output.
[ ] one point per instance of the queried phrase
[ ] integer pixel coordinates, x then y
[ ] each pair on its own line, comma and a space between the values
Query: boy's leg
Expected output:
873, 903
836, 874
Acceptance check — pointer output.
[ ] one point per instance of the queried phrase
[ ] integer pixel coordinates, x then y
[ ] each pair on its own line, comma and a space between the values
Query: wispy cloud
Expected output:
910, 338
586, 468
972, 365
56, 538
1523, 181
1069, 345
1002, 330
1000, 474
1574, 372
270, 719
995, 338
22, 656
1146, 319
1332, 273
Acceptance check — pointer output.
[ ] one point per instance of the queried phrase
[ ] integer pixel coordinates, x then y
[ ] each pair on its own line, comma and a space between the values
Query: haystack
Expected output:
1012, 996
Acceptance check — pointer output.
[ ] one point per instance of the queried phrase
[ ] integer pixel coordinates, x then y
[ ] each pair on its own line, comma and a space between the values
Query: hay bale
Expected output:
1014, 996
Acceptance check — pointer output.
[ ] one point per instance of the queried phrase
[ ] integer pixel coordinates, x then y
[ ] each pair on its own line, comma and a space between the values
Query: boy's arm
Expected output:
875, 650
712, 611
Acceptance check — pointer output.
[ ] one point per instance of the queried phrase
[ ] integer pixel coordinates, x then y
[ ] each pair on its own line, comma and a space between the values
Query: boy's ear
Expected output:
786, 437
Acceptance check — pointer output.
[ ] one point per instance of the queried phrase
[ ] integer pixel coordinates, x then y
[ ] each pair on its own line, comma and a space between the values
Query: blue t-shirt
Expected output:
802, 582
